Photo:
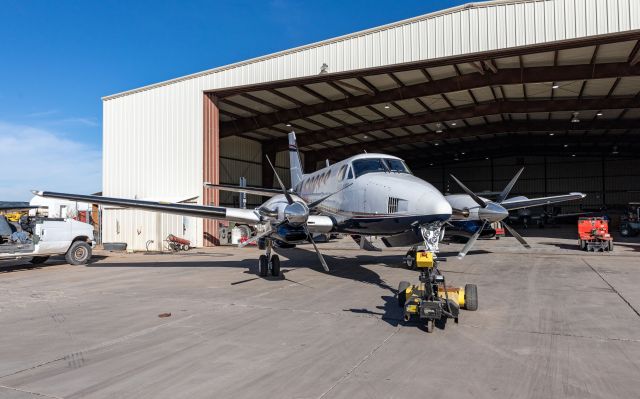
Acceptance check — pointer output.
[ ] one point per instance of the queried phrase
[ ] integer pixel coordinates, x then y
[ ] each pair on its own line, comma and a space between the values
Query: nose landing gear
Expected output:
268, 263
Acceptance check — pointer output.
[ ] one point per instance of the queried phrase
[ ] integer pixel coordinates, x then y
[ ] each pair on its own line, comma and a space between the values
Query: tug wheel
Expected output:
263, 266
409, 259
402, 293
471, 297
275, 265
430, 325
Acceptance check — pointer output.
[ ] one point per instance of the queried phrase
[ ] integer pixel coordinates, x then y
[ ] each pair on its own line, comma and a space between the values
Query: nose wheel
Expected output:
268, 264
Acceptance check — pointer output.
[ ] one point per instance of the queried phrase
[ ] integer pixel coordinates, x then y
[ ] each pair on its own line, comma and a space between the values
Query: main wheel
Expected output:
78, 253
471, 297
36, 260
275, 265
263, 266
402, 293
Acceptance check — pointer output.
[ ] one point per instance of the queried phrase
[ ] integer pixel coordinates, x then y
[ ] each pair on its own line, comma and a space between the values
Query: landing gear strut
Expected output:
268, 263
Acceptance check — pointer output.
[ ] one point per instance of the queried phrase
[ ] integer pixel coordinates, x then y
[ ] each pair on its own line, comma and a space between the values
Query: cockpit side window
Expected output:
350, 176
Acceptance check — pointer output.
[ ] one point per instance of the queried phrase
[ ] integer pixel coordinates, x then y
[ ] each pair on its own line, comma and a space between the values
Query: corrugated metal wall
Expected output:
153, 136
607, 182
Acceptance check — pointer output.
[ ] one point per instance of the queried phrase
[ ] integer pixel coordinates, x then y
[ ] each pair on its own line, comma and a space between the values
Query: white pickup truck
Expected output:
39, 238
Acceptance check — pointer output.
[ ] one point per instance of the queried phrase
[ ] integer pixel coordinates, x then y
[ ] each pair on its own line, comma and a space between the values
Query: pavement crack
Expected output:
612, 287
30, 392
360, 363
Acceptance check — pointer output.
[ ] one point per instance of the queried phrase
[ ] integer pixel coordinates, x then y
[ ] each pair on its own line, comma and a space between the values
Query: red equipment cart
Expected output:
594, 234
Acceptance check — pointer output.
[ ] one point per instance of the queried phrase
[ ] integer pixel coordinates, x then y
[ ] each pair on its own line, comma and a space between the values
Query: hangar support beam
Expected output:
486, 109
211, 163
457, 83
477, 131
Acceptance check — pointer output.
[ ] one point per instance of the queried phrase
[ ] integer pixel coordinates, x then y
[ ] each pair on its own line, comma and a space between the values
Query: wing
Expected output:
267, 192
210, 212
523, 202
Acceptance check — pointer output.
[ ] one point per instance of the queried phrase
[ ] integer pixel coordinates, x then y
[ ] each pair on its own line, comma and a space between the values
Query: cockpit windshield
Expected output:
397, 165
368, 165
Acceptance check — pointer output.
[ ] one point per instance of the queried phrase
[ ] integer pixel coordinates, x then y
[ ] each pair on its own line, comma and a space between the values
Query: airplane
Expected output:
364, 195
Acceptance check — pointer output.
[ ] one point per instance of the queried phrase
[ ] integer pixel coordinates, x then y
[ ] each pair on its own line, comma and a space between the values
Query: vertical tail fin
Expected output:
295, 165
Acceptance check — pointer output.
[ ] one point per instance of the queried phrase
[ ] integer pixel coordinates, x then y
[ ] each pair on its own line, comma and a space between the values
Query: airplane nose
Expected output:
493, 213
434, 203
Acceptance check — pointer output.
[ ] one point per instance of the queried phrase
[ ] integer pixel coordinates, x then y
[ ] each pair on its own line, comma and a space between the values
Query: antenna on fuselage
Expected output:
327, 161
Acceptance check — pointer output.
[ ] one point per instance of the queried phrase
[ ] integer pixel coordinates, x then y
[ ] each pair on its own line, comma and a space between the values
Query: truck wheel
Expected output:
610, 248
36, 260
583, 245
79, 253
402, 293
471, 297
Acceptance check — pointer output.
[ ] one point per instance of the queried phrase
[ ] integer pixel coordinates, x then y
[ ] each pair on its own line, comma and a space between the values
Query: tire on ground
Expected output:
275, 265
263, 266
402, 292
79, 253
471, 297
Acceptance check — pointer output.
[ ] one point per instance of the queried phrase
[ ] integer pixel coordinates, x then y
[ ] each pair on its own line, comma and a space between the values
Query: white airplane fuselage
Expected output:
367, 201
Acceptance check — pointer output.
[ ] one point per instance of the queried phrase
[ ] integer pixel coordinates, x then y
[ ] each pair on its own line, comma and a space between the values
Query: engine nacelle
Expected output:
289, 233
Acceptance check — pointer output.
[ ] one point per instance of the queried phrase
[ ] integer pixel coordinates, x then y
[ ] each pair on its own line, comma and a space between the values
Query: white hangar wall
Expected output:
153, 135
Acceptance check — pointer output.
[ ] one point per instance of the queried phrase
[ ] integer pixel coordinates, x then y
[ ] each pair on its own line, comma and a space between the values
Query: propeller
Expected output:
297, 213
491, 211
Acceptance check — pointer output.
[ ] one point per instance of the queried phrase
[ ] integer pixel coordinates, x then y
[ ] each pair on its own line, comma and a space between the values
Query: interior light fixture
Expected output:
551, 134
386, 106
555, 86
599, 114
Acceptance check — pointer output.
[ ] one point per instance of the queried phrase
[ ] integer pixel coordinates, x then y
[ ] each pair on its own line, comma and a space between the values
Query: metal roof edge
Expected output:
315, 44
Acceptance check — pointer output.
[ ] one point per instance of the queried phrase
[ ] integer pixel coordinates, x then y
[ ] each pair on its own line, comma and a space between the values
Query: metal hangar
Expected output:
479, 89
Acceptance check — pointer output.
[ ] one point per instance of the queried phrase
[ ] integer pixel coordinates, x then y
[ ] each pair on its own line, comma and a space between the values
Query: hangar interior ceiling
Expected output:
569, 111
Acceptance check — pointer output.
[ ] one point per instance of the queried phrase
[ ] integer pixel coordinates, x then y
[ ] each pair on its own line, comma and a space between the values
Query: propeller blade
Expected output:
284, 189
322, 261
516, 235
471, 241
473, 195
503, 195
318, 202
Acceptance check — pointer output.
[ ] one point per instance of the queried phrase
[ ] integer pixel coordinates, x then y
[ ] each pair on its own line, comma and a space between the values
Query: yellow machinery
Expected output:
15, 216
431, 300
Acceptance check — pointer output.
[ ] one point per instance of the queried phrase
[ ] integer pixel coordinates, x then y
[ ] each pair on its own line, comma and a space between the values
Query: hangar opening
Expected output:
555, 88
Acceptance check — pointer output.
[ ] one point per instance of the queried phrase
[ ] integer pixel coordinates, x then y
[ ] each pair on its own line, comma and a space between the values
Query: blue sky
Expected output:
60, 57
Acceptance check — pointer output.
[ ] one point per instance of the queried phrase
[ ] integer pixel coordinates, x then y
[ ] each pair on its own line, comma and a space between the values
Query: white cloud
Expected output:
36, 158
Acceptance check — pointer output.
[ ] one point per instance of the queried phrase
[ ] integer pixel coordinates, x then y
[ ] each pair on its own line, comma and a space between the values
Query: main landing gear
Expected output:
268, 263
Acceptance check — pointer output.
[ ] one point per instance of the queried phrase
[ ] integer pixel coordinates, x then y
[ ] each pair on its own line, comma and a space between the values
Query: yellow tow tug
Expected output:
432, 300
